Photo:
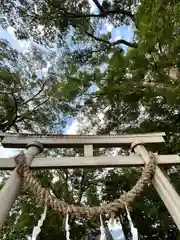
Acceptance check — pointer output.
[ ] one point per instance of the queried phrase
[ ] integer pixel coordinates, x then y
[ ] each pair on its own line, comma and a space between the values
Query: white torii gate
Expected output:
35, 144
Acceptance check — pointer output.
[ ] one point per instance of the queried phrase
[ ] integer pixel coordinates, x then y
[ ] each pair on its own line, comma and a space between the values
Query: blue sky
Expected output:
8, 35
122, 32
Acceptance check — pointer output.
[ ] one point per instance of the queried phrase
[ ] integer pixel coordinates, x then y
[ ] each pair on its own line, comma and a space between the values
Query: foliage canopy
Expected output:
69, 54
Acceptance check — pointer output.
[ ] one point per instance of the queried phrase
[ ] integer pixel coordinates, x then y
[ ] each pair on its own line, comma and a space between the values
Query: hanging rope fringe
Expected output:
67, 227
134, 230
102, 230
40, 193
37, 229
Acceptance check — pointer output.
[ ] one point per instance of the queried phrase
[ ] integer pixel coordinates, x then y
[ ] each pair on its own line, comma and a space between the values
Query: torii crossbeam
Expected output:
11, 140
36, 143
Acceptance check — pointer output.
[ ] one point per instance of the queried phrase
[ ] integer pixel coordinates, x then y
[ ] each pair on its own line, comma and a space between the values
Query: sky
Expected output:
122, 32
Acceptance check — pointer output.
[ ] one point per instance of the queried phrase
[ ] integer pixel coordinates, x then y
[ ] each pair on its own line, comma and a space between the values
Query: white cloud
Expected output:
93, 6
105, 28
20, 45
109, 27
7, 152
73, 128
11, 30
24, 45
129, 34
116, 35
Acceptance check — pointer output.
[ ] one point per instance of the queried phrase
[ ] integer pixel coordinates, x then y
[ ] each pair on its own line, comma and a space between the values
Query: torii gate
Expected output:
35, 144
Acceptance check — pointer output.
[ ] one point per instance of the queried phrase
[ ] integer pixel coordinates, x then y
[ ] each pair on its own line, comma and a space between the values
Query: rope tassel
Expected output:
134, 230
102, 230
37, 229
67, 227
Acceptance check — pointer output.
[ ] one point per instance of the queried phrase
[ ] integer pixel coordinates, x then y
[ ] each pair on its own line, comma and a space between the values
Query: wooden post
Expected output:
11, 189
161, 183
88, 150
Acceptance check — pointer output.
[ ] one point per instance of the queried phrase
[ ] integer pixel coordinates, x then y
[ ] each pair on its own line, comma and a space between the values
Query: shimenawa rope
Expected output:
41, 193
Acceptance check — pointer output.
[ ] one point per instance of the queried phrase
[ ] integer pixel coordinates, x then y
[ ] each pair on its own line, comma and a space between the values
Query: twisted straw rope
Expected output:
43, 195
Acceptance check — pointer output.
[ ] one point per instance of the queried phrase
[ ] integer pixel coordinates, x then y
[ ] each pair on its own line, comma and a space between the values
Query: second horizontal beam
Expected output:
102, 161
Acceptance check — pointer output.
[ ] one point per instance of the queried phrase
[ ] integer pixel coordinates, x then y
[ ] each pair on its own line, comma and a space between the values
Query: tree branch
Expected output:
121, 11
32, 98
103, 12
19, 118
97, 39
14, 116
102, 15
40, 104
98, 5
121, 41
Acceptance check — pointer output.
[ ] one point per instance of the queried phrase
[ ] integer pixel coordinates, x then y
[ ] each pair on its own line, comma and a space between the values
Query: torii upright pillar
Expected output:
11, 189
162, 185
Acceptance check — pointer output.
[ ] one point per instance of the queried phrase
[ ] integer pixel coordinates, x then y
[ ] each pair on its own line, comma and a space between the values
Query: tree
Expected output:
64, 16
140, 78
33, 92
135, 94
71, 23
